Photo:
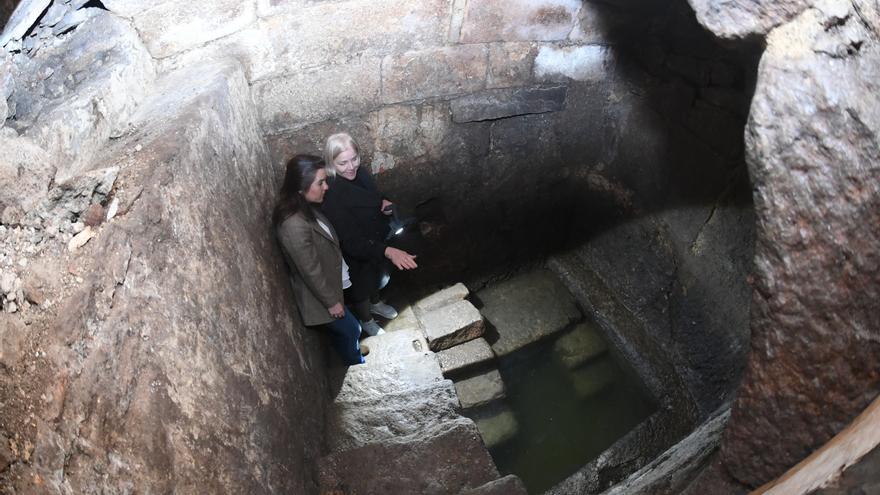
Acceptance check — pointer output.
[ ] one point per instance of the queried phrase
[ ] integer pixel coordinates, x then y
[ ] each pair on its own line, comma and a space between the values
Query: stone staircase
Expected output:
395, 424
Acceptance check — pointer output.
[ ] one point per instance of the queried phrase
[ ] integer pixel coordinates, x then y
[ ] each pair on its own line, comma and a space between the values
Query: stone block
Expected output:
580, 345
395, 417
464, 356
391, 346
315, 34
389, 377
289, 102
452, 325
527, 308
497, 424
408, 133
429, 464
518, 20
171, 27
578, 63
501, 103
510, 64
480, 390
406, 320
444, 297
593, 378
434, 72
508, 485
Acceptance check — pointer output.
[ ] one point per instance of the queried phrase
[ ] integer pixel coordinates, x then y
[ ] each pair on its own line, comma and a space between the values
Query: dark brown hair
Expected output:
300, 174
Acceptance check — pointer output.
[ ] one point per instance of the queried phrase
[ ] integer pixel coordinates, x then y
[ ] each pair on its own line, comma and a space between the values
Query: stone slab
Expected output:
406, 320
593, 378
518, 20
501, 103
391, 346
497, 424
527, 308
394, 417
444, 297
434, 72
580, 345
388, 377
452, 325
480, 390
291, 101
463, 356
431, 464
508, 485
510, 64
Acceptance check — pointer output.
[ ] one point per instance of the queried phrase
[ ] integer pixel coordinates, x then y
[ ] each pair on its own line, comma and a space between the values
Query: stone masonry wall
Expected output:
518, 128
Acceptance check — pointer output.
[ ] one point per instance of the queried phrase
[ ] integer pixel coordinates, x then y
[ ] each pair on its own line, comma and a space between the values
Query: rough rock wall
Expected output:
148, 341
813, 157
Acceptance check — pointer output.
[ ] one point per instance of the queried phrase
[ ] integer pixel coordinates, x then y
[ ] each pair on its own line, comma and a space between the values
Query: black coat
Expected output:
353, 206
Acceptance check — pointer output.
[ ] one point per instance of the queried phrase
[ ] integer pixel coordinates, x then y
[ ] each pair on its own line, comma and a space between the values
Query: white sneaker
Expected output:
372, 328
383, 310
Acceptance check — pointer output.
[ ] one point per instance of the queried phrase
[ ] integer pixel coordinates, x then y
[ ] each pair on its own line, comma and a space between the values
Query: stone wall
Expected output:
148, 340
813, 158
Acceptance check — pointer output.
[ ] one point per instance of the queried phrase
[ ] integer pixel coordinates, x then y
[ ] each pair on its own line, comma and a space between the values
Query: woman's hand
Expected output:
400, 258
386, 207
337, 310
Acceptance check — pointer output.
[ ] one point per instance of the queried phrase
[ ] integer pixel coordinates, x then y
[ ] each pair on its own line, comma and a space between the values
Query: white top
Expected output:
346, 279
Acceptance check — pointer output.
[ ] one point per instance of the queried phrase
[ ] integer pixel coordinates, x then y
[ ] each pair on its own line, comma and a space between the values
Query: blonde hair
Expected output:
336, 144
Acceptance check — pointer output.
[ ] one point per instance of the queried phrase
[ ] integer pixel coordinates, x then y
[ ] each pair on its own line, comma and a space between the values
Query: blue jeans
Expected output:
345, 335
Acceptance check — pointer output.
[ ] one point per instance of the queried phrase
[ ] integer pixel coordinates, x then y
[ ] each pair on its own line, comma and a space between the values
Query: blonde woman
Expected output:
360, 214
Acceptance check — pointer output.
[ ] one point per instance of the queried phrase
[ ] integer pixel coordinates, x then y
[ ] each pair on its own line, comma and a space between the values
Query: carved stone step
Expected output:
463, 356
451, 325
580, 345
480, 390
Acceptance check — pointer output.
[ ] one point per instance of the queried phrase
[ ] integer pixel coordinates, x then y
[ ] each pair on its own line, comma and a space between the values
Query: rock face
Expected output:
70, 98
813, 157
176, 362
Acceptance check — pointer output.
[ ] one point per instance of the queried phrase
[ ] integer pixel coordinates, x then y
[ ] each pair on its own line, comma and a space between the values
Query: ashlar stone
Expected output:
510, 64
388, 377
577, 62
452, 325
480, 390
444, 297
463, 356
527, 308
434, 72
518, 20
395, 345
580, 345
289, 102
501, 103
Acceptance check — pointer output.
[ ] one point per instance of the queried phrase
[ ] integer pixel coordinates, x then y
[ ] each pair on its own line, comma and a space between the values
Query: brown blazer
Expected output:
316, 266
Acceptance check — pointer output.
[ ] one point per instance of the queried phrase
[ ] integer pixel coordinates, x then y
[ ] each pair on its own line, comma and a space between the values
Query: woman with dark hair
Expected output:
360, 214
311, 248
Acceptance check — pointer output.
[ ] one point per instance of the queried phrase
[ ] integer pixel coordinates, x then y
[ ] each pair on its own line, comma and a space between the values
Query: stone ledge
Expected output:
501, 103
443, 297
